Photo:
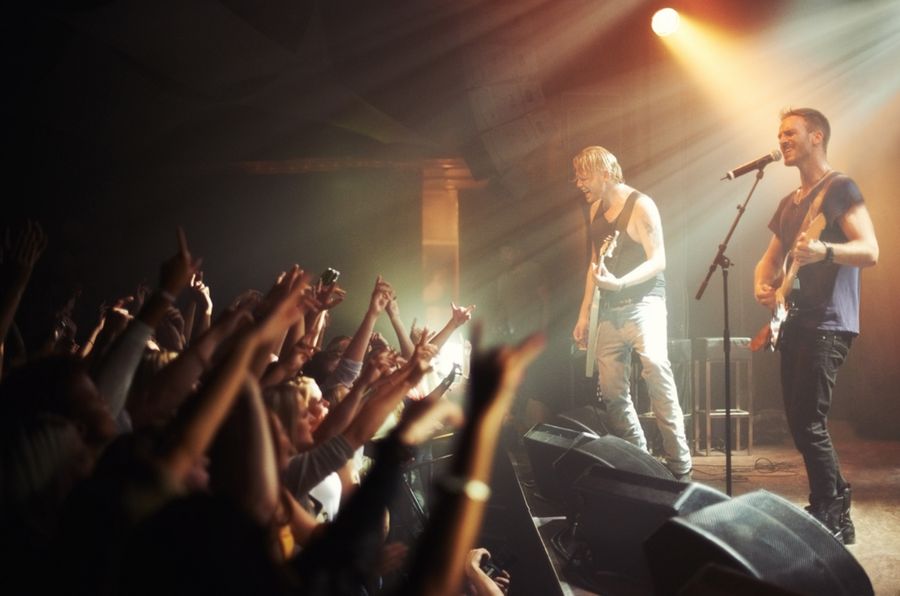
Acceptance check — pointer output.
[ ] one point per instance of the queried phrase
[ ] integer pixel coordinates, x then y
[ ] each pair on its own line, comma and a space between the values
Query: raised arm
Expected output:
348, 548
17, 260
200, 301
406, 344
456, 519
381, 295
117, 369
176, 381
388, 396
243, 464
200, 419
341, 415
284, 284
459, 316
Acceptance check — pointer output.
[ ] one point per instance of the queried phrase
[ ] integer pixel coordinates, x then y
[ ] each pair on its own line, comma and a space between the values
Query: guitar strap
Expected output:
621, 223
770, 335
816, 205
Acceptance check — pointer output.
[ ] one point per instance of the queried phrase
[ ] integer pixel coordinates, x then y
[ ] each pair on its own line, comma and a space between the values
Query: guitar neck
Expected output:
787, 284
813, 231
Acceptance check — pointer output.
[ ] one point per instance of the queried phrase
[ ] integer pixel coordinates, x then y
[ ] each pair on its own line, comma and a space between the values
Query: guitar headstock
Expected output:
608, 245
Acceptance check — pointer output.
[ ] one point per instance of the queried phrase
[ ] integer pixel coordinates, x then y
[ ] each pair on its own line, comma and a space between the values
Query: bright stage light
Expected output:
665, 22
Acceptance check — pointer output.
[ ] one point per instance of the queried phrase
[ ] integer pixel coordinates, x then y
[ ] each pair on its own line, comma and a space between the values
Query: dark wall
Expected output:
247, 228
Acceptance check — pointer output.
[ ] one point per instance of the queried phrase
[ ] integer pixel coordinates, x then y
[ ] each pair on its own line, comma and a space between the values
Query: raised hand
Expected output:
249, 301
140, 296
459, 315
297, 356
22, 254
381, 296
415, 332
333, 297
177, 271
496, 373
393, 307
423, 419
283, 285
328, 294
200, 293
283, 312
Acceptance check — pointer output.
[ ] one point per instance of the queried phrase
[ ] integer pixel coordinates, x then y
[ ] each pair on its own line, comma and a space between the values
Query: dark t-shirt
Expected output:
828, 296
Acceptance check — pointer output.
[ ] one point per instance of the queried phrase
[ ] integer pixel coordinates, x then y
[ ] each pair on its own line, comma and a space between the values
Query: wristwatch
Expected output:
829, 253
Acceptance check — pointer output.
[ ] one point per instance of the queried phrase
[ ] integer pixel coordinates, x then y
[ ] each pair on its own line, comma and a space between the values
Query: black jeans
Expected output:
810, 360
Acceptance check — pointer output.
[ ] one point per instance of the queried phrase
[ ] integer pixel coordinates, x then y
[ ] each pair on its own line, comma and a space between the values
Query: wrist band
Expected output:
829, 253
474, 490
167, 296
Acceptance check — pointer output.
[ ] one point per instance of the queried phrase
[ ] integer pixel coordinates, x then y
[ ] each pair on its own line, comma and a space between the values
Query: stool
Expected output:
708, 351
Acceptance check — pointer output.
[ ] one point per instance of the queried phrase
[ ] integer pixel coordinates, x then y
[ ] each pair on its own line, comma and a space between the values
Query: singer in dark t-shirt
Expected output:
824, 319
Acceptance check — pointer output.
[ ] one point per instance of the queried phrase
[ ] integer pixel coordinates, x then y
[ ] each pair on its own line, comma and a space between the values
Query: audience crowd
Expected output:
178, 448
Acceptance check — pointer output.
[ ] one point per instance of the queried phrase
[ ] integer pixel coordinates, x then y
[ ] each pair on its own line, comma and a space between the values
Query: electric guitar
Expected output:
607, 247
769, 336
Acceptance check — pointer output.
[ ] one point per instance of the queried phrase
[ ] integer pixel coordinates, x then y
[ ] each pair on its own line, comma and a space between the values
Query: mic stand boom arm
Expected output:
720, 260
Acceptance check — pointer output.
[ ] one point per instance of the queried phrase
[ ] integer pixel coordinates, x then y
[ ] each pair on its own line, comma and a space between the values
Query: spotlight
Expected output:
665, 22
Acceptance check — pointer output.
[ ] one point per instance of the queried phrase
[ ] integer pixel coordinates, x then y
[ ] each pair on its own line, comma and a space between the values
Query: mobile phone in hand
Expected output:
329, 276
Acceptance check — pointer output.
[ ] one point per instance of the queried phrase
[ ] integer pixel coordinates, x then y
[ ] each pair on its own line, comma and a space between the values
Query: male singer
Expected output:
633, 315
825, 316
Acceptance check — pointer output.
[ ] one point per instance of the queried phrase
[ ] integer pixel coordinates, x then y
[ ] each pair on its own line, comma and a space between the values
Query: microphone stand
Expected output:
720, 260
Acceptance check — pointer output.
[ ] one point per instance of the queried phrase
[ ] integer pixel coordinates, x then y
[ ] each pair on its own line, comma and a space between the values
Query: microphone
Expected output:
756, 164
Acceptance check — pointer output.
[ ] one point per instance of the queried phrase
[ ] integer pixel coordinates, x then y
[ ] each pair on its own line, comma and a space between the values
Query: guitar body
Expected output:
770, 335
606, 250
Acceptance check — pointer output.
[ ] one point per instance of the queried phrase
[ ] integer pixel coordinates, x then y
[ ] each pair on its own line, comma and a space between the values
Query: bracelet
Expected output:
829, 253
165, 295
474, 490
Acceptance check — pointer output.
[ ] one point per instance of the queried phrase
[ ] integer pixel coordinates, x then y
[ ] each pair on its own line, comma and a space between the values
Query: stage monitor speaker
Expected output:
545, 444
619, 509
590, 418
760, 535
608, 451
715, 580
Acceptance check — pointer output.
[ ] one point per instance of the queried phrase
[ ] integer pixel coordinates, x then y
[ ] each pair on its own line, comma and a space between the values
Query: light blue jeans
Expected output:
641, 327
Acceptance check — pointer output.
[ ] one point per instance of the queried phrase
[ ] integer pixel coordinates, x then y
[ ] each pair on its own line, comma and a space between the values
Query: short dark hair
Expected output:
815, 120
